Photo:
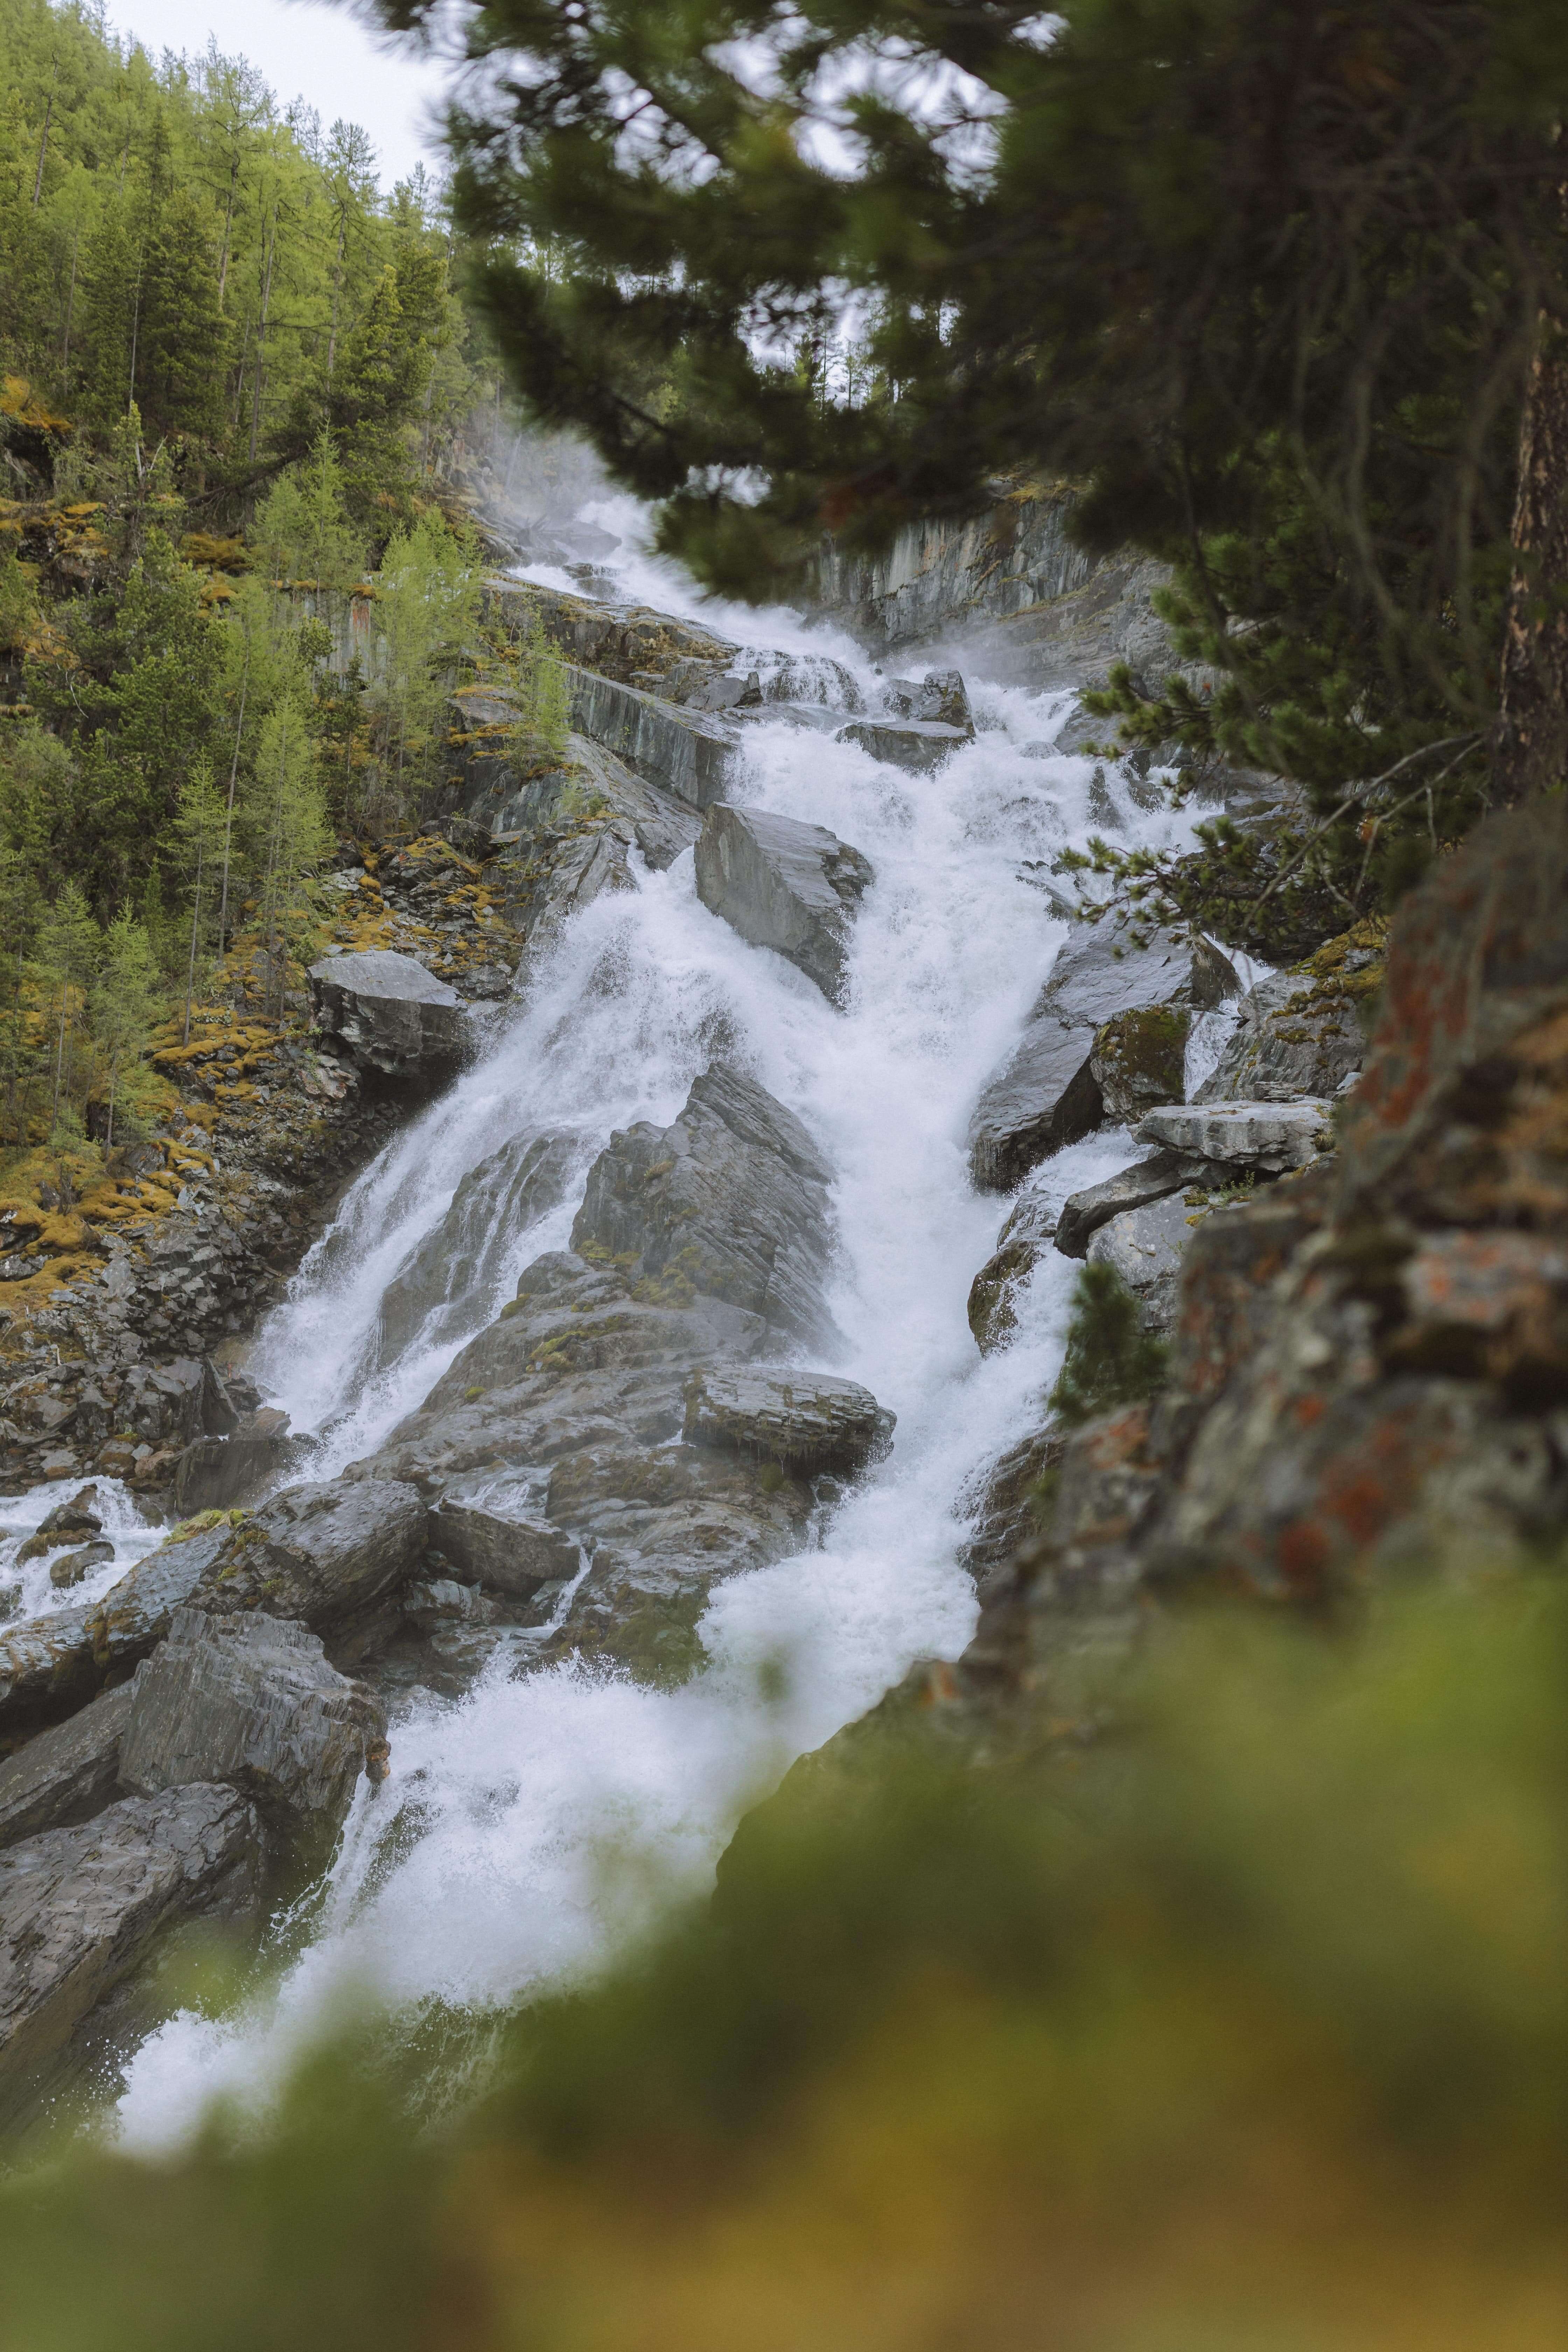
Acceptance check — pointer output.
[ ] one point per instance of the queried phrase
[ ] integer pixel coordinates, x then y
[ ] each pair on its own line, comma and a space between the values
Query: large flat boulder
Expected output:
804, 1422
1046, 1094
252, 1701
730, 1200
1264, 1137
81, 1908
389, 1013
784, 885
66, 1774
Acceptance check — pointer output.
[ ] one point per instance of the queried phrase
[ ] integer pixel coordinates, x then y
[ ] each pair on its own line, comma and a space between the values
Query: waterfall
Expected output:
481, 1869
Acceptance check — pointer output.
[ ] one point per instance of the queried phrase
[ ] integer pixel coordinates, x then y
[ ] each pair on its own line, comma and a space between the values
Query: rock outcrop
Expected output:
66, 1774
252, 1701
1145, 1247
1303, 1032
729, 1201
462, 1256
1147, 1181
784, 885
1369, 1357
389, 1013
688, 753
700, 1246
81, 1908
1047, 1094
331, 1555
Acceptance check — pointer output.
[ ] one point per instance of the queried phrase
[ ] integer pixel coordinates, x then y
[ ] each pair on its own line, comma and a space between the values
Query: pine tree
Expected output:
1262, 281
69, 950
427, 595
200, 829
289, 835
127, 1003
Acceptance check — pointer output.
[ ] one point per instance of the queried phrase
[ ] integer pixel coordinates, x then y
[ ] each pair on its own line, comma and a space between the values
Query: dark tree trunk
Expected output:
1530, 753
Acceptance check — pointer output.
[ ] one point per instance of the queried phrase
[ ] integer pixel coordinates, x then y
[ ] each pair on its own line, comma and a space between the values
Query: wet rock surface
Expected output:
252, 1701
1147, 1181
919, 746
511, 1556
701, 1246
389, 1013
1047, 1094
784, 885
493, 1204
804, 1422
1027, 1232
66, 1774
83, 1908
331, 1555
729, 1201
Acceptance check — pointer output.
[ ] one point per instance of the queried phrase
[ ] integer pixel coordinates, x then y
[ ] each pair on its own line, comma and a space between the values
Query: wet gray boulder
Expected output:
942, 697
1046, 1094
1137, 1187
784, 885
699, 1245
71, 1567
729, 1201
462, 1256
804, 1422
514, 1556
213, 1474
68, 1773
1145, 1247
83, 1908
389, 1013
993, 1295
580, 1384
919, 746
70, 1522
252, 1701
1265, 1138
1292, 1039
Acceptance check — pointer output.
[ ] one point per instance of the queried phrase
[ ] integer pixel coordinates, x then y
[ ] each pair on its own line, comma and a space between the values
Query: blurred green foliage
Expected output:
1244, 2027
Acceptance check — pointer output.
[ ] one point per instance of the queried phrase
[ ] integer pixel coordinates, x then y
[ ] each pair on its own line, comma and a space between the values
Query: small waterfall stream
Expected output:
483, 1867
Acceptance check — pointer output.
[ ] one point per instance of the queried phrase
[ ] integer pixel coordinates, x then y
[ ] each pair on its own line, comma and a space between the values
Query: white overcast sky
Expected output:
321, 54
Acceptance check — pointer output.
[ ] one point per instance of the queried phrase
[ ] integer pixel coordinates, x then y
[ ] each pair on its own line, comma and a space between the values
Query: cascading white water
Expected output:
479, 1870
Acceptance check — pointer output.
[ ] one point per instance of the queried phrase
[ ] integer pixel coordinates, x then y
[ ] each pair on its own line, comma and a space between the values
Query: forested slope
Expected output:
236, 572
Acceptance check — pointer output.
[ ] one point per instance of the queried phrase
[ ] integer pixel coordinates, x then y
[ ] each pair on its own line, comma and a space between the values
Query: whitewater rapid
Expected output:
529, 1825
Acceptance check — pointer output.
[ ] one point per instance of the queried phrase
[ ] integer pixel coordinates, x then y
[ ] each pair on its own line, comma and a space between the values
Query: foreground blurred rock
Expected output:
81, 1909
1370, 1355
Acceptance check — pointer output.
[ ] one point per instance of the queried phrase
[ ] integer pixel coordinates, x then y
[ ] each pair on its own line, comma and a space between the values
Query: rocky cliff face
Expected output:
1032, 608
